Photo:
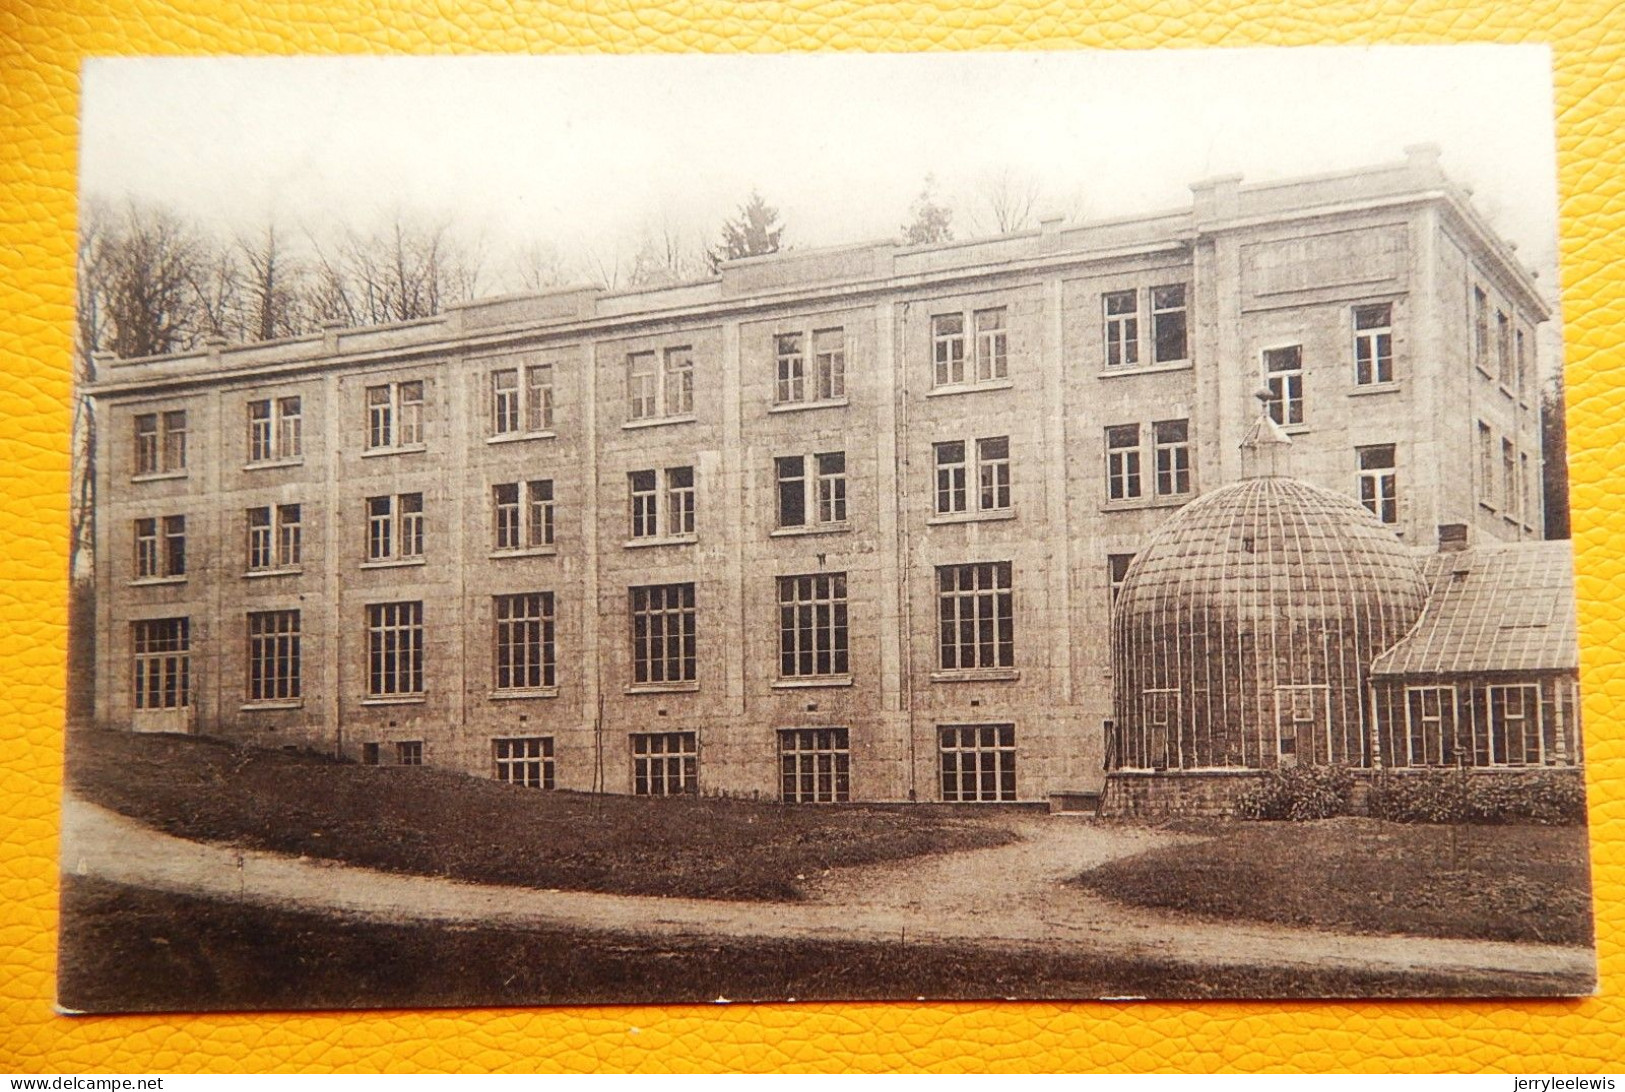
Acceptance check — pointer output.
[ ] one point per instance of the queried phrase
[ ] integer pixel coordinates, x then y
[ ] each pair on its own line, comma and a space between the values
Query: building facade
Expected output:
834, 524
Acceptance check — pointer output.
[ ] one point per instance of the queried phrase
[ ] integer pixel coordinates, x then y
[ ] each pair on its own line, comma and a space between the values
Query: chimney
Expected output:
1452, 538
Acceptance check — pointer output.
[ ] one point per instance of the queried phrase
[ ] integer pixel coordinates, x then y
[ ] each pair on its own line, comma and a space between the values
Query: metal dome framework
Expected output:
1244, 633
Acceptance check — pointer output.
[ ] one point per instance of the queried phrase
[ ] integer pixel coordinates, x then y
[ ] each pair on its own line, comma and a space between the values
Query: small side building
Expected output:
1489, 677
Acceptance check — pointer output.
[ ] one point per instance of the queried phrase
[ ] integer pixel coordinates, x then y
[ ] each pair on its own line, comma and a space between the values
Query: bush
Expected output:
1298, 793
1547, 797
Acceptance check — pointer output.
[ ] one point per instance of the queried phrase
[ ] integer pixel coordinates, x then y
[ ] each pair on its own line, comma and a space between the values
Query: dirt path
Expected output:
1007, 895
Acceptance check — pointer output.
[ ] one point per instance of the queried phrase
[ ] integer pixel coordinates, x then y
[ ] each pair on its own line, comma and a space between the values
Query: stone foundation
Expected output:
1212, 794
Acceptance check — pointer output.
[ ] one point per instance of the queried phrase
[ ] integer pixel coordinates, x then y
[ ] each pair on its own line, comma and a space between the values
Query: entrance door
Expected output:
1301, 713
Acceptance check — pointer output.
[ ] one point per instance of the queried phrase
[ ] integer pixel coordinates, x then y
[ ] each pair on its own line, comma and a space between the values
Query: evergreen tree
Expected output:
755, 230
930, 221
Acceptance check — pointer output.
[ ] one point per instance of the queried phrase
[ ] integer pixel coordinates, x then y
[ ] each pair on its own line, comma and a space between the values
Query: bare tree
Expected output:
216, 277
147, 275
405, 270
274, 289
533, 266
666, 255
1008, 199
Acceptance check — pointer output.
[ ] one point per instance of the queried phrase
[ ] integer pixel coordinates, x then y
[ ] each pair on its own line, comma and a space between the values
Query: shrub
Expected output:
1548, 797
1298, 793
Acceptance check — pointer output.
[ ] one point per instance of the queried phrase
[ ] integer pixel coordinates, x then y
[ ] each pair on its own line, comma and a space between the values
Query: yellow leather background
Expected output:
42, 45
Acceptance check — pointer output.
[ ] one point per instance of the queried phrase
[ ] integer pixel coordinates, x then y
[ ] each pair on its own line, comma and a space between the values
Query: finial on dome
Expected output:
1265, 448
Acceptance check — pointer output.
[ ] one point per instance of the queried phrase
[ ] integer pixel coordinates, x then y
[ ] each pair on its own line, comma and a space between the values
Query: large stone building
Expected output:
833, 524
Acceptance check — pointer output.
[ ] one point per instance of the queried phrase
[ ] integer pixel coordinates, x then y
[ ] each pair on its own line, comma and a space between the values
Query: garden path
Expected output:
1010, 896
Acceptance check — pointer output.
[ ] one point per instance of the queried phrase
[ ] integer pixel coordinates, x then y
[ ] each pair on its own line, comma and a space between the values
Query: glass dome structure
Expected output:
1244, 633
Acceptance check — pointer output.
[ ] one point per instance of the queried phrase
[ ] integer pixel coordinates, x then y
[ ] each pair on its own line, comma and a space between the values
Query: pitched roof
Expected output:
1493, 608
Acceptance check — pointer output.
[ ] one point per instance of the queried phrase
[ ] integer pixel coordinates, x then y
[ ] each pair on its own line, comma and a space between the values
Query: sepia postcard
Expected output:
959, 526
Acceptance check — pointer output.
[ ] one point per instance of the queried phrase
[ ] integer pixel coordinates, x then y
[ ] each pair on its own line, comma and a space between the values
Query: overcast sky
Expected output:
580, 150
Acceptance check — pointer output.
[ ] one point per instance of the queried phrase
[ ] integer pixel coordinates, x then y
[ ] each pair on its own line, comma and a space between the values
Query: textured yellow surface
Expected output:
42, 45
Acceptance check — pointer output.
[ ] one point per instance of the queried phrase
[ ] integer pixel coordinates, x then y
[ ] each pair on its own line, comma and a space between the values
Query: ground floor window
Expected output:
978, 762
1514, 727
409, 752
394, 649
665, 763
163, 663
273, 655
1431, 724
369, 754
815, 765
527, 761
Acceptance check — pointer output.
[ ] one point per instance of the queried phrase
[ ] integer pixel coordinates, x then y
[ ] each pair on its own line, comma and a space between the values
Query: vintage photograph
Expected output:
567, 530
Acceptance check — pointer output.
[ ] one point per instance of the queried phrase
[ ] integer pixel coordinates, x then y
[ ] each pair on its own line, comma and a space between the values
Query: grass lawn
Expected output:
130, 949
440, 823
1524, 883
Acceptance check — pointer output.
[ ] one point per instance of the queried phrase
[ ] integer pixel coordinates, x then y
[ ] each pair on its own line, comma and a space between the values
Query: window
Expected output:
1486, 457
663, 634
1373, 344
160, 442
505, 416
679, 381
644, 491
948, 348
992, 475
829, 363
1283, 375
976, 617
792, 377
1528, 505
951, 495
394, 649
146, 549
174, 546
513, 412
369, 754
1523, 365
409, 752
1481, 330
395, 527
1432, 725
1515, 736
1509, 480
1123, 463
1117, 571
539, 398
1168, 331
828, 489
828, 379
978, 763
395, 416
1122, 328
273, 656
992, 345
522, 515
1171, 451
1379, 488
274, 538
680, 500
524, 641
1503, 350
812, 626
526, 761
160, 548
275, 429
163, 663
815, 766
665, 763
660, 385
